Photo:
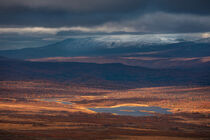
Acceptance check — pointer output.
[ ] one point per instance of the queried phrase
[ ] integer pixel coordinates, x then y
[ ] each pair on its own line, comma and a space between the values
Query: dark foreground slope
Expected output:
101, 74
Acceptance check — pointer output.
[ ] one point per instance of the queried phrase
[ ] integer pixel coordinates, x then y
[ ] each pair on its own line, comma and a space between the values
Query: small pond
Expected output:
56, 100
133, 110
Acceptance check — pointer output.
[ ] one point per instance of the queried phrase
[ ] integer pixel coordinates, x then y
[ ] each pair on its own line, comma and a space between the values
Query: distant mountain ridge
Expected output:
90, 46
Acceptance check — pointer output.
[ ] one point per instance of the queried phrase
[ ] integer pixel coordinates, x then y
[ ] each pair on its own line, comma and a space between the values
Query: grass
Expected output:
24, 116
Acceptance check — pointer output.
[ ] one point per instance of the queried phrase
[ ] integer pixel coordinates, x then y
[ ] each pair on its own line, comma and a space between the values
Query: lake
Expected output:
122, 110
133, 110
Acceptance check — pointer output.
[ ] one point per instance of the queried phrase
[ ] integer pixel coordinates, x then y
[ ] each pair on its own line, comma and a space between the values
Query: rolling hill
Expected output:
116, 75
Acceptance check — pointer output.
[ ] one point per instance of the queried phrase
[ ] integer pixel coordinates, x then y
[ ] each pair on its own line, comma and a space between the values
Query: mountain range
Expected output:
93, 46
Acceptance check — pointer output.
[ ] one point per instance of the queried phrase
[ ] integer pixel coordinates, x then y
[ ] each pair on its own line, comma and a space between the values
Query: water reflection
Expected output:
133, 110
56, 100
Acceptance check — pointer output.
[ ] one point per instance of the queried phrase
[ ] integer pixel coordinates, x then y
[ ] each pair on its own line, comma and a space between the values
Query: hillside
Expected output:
101, 74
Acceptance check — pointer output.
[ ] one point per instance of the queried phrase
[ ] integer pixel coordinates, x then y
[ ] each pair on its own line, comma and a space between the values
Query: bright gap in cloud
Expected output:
44, 30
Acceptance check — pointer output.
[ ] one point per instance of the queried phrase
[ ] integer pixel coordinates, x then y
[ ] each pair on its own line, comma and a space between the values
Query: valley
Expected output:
26, 112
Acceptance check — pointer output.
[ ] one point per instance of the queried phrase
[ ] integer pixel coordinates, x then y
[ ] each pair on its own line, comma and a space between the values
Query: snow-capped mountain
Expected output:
114, 41
114, 44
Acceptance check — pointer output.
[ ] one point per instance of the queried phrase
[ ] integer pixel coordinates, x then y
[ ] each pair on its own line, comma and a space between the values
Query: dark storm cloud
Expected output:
191, 6
65, 12
115, 15
76, 6
181, 6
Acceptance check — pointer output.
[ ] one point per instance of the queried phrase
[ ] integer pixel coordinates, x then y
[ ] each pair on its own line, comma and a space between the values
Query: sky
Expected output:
33, 23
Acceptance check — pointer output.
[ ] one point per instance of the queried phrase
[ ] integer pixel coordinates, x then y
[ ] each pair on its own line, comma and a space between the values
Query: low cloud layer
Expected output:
166, 23
149, 23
